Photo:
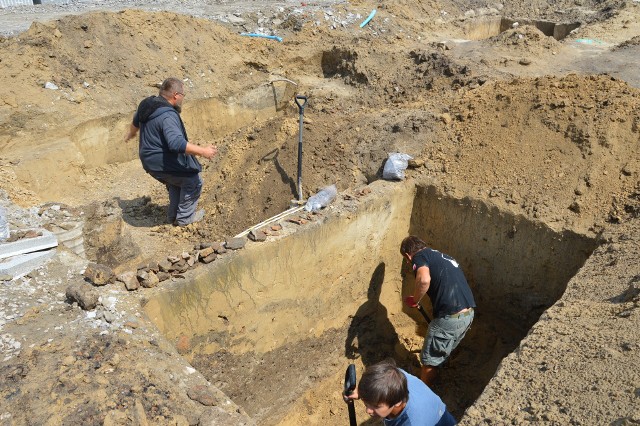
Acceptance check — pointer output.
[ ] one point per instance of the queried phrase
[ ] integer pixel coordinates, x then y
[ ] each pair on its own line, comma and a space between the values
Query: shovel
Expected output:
301, 101
349, 387
410, 301
424, 313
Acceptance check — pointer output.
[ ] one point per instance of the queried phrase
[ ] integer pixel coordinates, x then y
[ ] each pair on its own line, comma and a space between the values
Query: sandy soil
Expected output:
543, 128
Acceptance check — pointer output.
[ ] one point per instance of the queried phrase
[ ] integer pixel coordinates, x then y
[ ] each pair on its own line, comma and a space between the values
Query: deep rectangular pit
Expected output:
275, 326
486, 27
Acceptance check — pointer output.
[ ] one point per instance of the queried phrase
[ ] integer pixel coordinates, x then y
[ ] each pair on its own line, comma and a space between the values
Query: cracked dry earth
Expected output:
539, 129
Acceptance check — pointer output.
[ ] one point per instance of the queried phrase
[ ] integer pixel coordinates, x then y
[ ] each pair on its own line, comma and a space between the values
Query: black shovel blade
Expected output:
349, 387
350, 380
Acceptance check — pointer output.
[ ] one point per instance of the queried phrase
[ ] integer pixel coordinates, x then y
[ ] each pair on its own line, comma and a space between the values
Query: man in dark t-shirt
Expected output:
440, 277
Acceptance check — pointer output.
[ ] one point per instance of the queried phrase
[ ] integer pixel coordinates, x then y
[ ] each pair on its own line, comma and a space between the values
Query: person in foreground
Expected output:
439, 276
399, 398
166, 153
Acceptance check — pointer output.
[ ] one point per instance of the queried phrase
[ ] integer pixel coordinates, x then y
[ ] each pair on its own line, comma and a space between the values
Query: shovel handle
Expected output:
352, 414
349, 387
301, 101
424, 313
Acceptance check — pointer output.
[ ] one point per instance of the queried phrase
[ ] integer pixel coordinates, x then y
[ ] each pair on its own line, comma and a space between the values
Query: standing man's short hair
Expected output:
170, 86
383, 383
411, 245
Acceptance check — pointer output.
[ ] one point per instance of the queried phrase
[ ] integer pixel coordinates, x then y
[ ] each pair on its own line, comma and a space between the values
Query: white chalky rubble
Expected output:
9, 346
41, 291
238, 13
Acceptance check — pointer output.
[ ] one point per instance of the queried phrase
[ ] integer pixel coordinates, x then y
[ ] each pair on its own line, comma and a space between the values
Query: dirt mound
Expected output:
104, 62
635, 41
579, 137
526, 38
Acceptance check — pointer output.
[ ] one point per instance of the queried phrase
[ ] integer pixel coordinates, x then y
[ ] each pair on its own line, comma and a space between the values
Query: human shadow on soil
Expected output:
140, 212
286, 179
371, 335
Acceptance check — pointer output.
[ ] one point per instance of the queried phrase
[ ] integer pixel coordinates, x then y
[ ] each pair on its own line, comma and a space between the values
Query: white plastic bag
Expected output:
395, 166
322, 199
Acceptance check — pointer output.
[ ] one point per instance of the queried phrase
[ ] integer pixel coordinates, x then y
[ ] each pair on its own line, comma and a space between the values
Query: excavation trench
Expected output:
479, 29
62, 161
274, 326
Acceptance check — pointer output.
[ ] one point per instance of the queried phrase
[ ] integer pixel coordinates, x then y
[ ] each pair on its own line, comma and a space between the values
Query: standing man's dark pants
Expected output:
184, 192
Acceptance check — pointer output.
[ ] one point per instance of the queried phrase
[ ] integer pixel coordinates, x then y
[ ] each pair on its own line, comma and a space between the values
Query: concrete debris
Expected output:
258, 236
130, 280
9, 346
107, 316
107, 241
219, 248
207, 255
85, 296
233, 19
210, 258
29, 245
99, 275
131, 323
202, 394
298, 220
109, 302
70, 237
18, 266
235, 243
66, 223
206, 252
148, 279
181, 266
165, 266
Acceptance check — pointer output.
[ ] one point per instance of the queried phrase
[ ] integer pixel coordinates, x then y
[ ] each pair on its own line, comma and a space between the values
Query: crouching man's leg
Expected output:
190, 191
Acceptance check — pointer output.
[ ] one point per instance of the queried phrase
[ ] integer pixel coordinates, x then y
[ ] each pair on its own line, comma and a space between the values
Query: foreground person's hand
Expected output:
410, 302
350, 397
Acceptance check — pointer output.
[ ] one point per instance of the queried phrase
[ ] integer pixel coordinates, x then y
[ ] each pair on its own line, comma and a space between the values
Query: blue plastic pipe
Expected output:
366, 21
271, 37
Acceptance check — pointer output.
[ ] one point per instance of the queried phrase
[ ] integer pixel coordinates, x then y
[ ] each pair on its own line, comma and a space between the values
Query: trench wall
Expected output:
514, 265
486, 27
293, 288
314, 279
59, 161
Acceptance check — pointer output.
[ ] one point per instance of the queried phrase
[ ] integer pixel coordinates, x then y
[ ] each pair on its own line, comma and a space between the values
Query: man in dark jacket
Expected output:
439, 276
166, 153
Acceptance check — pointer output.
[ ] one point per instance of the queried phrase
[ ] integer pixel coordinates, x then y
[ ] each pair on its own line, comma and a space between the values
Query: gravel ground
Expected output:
16, 19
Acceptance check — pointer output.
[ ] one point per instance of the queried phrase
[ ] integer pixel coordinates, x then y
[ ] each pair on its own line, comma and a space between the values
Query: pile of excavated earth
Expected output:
530, 108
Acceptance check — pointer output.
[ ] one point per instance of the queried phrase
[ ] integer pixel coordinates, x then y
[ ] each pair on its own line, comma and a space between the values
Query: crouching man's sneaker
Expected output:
196, 217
